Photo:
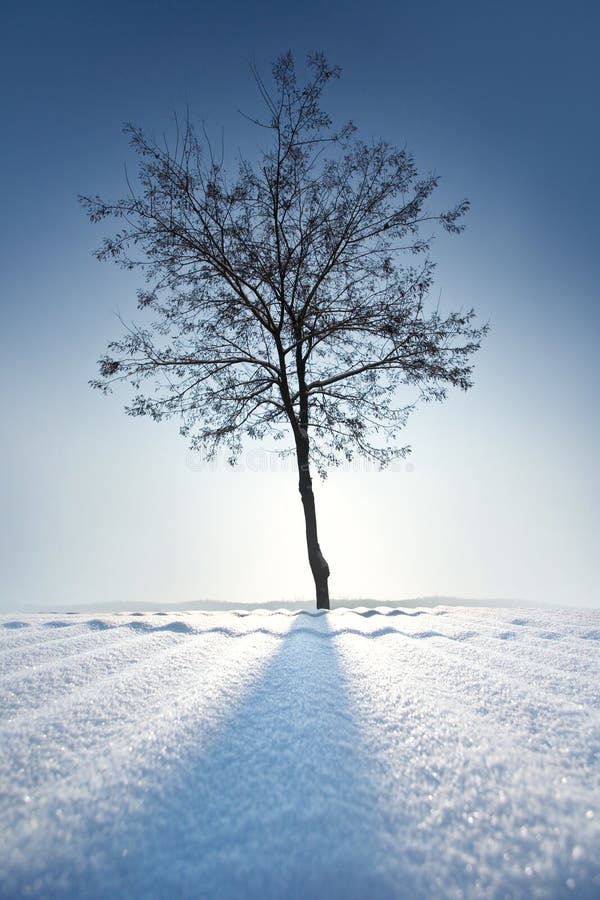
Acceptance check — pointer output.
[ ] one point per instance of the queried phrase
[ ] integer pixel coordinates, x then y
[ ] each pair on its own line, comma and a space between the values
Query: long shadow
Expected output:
278, 805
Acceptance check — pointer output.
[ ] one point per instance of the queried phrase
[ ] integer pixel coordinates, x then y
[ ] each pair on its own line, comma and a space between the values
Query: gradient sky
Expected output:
502, 500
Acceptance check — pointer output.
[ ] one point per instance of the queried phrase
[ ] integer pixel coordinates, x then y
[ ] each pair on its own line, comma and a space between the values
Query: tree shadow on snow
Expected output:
278, 805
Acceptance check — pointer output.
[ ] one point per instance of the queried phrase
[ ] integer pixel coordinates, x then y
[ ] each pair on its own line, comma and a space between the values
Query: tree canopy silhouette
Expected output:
289, 293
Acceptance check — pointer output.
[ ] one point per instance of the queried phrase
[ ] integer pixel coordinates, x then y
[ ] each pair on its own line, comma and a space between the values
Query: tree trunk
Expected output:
318, 563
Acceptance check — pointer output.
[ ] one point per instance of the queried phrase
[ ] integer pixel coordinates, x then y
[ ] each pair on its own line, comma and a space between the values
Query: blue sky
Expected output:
503, 496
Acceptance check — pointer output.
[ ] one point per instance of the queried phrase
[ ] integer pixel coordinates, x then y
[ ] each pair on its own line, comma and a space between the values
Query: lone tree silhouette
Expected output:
278, 294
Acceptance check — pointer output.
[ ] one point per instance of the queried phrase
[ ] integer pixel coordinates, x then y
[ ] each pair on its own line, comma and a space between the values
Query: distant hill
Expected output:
207, 605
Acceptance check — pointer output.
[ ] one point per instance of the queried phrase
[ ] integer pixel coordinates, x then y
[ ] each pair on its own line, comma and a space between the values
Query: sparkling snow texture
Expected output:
449, 752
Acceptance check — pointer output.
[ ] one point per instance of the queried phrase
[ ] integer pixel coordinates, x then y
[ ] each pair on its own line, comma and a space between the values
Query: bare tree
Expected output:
278, 297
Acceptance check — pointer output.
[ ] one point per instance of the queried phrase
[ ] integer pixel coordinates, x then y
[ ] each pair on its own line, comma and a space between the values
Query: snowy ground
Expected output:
418, 753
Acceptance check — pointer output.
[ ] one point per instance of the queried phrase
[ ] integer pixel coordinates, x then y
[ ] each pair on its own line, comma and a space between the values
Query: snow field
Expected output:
447, 752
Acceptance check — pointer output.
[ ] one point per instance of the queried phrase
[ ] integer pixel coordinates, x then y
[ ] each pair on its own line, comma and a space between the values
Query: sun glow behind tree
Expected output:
503, 496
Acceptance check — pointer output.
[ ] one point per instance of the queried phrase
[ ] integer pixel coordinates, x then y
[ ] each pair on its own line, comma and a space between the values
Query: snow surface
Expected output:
447, 752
